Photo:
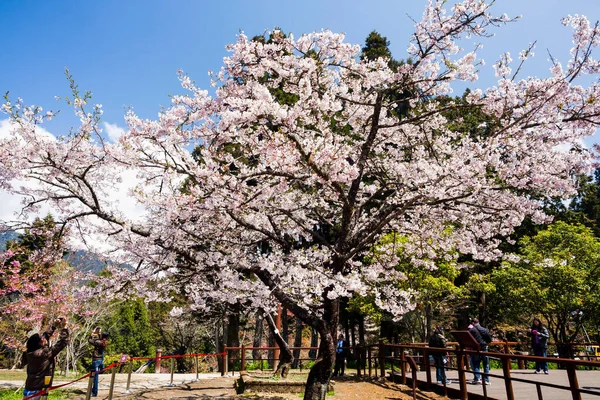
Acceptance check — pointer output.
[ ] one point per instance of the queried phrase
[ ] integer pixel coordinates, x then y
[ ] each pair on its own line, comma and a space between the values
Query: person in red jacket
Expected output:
40, 357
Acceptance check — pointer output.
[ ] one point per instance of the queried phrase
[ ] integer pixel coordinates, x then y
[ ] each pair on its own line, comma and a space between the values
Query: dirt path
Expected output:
377, 390
154, 387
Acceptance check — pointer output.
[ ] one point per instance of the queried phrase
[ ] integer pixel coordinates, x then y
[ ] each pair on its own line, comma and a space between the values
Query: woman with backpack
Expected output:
438, 340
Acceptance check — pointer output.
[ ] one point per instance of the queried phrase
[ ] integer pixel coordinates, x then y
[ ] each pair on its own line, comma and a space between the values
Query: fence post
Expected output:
381, 358
225, 361
403, 366
358, 352
243, 360
369, 358
157, 361
47, 381
127, 391
112, 383
427, 366
507, 380
462, 378
197, 369
172, 370
88, 394
573, 383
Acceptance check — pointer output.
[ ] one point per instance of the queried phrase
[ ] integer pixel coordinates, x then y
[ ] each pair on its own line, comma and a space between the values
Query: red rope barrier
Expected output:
68, 383
116, 364
177, 356
46, 390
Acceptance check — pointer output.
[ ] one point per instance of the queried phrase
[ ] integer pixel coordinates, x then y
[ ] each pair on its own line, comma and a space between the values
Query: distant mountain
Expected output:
81, 260
5, 237
85, 261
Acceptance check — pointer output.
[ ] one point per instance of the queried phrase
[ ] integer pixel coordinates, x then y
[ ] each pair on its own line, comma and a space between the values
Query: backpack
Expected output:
436, 341
485, 334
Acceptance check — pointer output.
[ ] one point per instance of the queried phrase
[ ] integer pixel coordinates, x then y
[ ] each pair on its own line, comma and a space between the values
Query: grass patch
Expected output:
330, 393
53, 395
21, 375
292, 377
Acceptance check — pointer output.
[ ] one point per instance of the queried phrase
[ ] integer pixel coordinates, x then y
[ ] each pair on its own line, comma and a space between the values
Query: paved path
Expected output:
526, 391
155, 386
148, 383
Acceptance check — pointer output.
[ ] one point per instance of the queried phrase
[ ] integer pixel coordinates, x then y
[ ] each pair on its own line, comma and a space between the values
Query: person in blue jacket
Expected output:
341, 352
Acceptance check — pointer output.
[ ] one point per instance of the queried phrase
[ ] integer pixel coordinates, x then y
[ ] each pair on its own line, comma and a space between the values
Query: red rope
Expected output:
116, 364
176, 356
46, 390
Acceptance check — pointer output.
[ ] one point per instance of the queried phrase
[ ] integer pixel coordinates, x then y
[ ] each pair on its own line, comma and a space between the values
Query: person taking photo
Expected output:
40, 358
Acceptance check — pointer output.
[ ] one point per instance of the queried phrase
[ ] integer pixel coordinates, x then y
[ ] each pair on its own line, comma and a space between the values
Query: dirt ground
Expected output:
377, 390
154, 387
348, 389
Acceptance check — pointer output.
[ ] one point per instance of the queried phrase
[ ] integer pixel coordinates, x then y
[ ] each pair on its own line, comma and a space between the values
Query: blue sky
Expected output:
127, 52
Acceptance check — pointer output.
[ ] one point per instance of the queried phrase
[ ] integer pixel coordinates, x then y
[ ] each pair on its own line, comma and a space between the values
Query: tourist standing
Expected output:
539, 344
99, 341
341, 351
40, 357
439, 340
482, 336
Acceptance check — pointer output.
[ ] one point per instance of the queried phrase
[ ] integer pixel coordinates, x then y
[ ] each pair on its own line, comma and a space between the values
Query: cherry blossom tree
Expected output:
306, 156
37, 286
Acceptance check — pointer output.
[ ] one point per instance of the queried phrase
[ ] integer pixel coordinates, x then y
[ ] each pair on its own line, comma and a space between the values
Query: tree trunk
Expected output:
219, 344
317, 383
428, 322
361, 339
258, 333
233, 330
285, 355
297, 342
270, 344
314, 342
285, 325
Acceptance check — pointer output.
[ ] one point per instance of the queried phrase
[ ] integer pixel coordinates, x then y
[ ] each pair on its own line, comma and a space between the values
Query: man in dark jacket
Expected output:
40, 357
99, 341
482, 336
539, 343
438, 340
341, 351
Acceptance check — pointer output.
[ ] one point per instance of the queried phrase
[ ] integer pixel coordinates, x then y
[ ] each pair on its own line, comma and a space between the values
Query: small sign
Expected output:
466, 340
124, 358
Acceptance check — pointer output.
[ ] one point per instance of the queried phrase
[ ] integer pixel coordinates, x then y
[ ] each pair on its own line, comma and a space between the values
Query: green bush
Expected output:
256, 365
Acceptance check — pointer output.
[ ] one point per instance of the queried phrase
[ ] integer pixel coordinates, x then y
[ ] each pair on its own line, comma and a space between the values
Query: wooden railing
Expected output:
402, 362
398, 354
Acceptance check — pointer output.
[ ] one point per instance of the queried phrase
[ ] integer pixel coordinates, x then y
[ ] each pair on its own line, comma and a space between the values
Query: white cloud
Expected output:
123, 201
6, 127
12, 203
113, 131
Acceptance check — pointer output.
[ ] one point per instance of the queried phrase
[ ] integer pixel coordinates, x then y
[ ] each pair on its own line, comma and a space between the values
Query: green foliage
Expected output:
559, 273
256, 365
130, 330
587, 202
365, 306
376, 46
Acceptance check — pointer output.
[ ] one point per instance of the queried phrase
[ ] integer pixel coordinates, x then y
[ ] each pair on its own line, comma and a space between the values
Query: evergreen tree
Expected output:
130, 330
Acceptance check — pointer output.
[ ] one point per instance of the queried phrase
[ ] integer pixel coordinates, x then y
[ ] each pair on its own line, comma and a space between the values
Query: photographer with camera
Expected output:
40, 357
99, 341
